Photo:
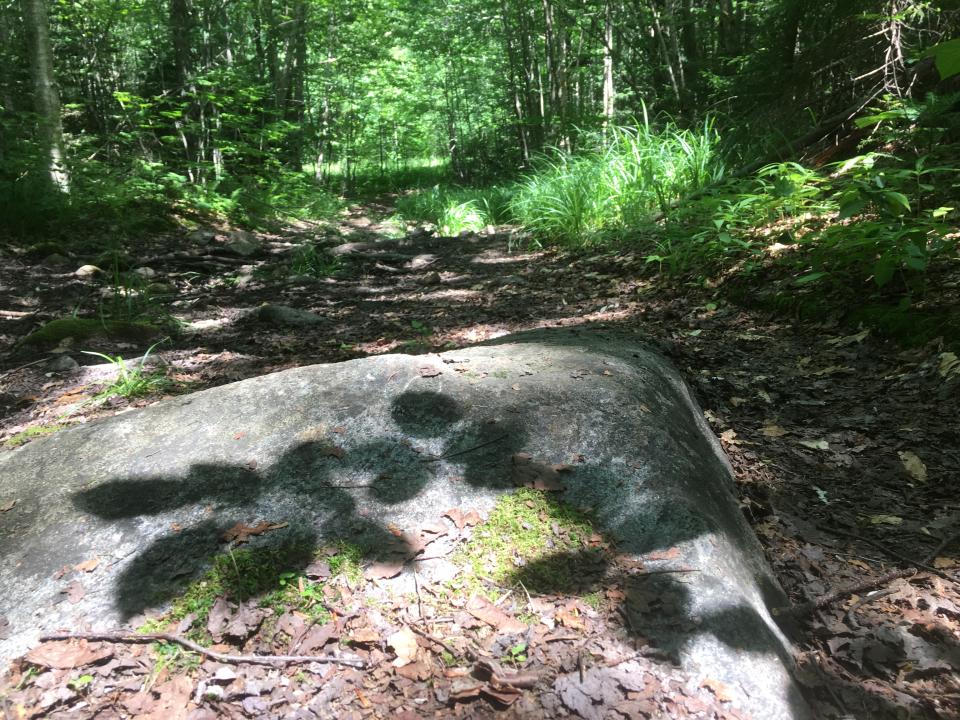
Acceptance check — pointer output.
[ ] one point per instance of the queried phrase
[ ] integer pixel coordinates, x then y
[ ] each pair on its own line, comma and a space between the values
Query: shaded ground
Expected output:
845, 445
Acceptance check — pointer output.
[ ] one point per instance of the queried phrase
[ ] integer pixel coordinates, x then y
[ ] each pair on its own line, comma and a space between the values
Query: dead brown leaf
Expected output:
482, 609
719, 689
404, 644
75, 592
429, 372
8, 505
462, 519
88, 565
536, 475
241, 532
383, 570
68, 654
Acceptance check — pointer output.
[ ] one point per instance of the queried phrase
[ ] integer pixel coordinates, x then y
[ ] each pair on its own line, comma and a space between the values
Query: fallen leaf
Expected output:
8, 505
218, 618
404, 644
461, 519
773, 431
849, 339
503, 694
418, 672
241, 532
720, 690
536, 475
816, 444
482, 609
949, 365
914, 465
429, 372
75, 592
885, 520
68, 654
729, 437
88, 565
570, 617
669, 554
383, 570
364, 636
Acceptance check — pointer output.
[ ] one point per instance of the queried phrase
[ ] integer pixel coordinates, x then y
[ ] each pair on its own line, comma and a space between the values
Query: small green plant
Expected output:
81, 683
313, 261
421, 328
131, 382
516, 655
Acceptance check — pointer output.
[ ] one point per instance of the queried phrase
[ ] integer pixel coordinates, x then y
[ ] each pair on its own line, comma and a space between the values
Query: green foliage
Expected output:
587, 197
308, 259
456, 209
131, 382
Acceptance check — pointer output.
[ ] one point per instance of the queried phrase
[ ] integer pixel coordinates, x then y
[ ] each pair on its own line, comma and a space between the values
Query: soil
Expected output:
845, 447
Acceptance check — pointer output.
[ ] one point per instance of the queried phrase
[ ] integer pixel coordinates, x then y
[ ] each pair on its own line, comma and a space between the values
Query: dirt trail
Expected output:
845, 446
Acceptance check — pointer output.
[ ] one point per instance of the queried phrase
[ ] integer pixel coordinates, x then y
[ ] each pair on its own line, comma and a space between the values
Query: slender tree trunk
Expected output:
47, 98
609, 94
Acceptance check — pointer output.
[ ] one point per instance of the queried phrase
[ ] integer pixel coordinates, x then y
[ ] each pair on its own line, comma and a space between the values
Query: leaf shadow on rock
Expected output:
324, 493
319, 491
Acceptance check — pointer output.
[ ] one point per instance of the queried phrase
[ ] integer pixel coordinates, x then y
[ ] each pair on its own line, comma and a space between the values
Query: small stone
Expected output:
242, 243
87, 271
145, 272
201, 235
63, 363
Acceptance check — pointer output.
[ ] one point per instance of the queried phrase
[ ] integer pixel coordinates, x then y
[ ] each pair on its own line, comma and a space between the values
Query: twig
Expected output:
944, 544
888, 551
831, 597
436, 641
851, 621
464, 452
416, 586
21, 367
212, 654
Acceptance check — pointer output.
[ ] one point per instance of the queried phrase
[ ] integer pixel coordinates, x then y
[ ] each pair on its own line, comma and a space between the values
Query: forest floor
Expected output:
845, 448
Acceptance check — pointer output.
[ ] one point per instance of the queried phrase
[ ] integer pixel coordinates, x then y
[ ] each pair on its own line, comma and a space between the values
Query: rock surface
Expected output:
345, 450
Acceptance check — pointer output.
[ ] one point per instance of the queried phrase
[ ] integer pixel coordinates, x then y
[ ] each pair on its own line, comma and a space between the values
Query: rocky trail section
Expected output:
843, 444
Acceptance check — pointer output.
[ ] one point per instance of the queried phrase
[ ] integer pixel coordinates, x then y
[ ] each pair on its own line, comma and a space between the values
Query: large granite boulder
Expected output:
344, 450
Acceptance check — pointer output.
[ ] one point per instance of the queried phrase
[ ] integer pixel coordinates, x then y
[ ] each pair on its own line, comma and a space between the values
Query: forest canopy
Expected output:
242, 107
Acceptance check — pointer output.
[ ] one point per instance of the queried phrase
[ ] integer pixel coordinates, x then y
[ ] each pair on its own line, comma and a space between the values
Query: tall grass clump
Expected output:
623, 179
456, 209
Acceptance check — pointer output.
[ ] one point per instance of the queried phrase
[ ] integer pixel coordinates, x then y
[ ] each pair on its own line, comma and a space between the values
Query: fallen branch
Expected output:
829, 598
212, 654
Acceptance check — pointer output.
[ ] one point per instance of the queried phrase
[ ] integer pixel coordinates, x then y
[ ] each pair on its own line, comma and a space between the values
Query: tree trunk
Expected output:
47, 99
609, 94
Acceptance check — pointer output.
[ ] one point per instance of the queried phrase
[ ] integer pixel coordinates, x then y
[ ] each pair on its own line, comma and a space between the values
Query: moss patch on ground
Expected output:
274, 576
31, 433
81, 329
533, 539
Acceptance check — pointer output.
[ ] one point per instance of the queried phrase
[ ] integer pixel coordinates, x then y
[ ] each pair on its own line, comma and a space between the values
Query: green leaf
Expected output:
947, 58
897, 202
851, 207
883, 270
809, 278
